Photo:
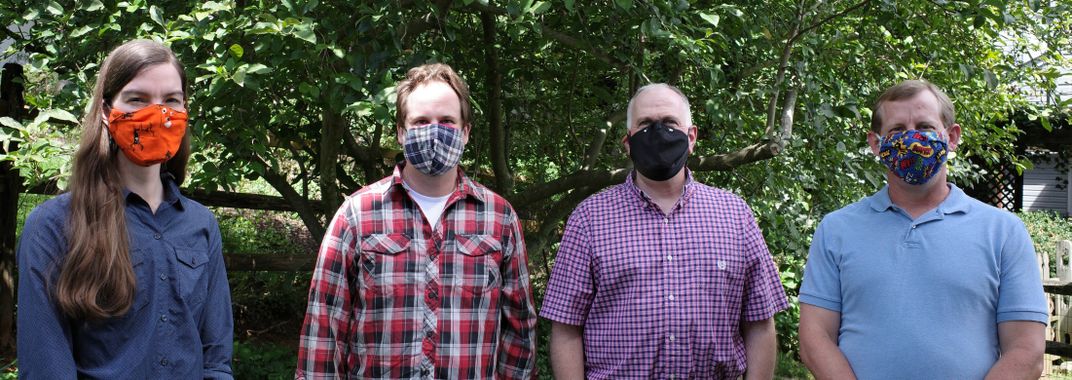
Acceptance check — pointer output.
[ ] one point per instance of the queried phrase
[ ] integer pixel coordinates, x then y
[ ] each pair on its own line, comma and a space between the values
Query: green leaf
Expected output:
540, 7
237, 50
54, 8
569, 5
94, 6
11, 123
258, 68
711, 19
239, 77
60, 114
81, 31
156, 14
305, 32
624, 4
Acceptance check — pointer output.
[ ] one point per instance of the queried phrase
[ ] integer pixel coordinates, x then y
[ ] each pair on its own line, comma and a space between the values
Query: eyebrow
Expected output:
140, 92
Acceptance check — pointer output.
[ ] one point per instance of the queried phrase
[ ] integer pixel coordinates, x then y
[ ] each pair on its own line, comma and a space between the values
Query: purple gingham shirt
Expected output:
662, 296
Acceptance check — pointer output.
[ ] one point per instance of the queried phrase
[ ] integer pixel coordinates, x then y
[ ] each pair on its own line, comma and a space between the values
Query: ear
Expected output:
954, 136
625, 142
693, 132
873, 141
106, 111
400, 136
465, 132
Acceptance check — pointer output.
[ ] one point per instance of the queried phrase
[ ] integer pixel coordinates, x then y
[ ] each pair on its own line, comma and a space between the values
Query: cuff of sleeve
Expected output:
820, 302
1032, 316
562, 317
773, 308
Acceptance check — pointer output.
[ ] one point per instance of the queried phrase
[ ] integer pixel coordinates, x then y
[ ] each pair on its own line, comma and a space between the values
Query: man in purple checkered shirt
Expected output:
662, 277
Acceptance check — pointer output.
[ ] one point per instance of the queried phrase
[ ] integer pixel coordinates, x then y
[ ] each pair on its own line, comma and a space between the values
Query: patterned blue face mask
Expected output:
434, 149
914, 156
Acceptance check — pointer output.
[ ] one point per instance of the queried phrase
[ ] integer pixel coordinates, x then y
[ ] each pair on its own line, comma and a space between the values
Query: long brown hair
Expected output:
96, 279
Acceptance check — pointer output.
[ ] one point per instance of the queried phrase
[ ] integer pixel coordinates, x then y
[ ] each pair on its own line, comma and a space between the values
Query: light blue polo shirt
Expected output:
921, 299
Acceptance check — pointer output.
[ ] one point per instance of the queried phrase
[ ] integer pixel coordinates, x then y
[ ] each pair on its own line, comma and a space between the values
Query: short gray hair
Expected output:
629, 109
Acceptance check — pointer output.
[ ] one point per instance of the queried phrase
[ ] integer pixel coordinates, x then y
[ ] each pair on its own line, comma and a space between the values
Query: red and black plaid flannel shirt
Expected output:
394, 298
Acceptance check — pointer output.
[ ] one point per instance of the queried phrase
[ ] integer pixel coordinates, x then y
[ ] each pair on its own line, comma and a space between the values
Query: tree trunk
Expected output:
11, 105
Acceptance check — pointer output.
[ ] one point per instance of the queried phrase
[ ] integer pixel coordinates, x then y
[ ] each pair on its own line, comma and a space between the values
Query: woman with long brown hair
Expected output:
122, 276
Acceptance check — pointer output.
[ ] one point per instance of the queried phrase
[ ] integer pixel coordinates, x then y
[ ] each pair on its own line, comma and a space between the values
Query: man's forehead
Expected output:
659, 98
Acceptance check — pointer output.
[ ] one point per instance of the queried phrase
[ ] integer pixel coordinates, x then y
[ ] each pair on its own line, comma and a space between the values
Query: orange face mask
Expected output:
148, 136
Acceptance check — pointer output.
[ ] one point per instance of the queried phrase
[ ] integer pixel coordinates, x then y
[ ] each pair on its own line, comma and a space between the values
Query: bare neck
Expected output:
918, 199
427, 185
665, 194
142, 180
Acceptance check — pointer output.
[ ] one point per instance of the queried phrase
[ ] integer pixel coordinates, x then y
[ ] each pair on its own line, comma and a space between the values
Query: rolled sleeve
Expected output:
570, 288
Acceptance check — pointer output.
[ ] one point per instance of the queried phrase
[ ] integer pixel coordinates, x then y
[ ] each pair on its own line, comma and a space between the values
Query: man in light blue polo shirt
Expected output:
920, 281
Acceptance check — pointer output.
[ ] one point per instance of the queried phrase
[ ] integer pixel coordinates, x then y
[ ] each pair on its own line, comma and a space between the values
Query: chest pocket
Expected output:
189, 272
476, 267
384, 268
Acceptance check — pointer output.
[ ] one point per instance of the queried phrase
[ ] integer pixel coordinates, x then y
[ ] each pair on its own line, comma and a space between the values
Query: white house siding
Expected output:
1041, 190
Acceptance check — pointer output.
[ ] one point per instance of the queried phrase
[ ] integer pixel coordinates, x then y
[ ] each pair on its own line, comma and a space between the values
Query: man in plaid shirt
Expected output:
662, 277
422, 275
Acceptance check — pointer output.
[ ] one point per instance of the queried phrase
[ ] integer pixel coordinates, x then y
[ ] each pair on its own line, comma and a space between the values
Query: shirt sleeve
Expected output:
822, 276
517, 350
570, 288
323, 348
44, 333
763, 293
1020, 294
217, 324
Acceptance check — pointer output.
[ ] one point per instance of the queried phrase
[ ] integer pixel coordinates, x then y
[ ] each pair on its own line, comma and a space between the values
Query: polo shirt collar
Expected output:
463, 188
955, 202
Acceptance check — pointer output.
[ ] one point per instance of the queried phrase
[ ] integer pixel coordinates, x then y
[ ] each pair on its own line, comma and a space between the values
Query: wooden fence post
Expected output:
11, 105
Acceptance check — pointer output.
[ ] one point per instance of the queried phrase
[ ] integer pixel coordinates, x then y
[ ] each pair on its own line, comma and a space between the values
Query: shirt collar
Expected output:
955, 202
686, 193
463, 188
172, 195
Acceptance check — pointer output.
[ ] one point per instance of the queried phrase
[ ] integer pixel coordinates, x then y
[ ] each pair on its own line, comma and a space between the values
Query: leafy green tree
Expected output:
300, 93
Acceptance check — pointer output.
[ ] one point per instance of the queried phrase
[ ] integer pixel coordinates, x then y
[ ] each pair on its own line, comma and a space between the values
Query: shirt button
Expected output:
163, 276
669, 258
671, 377
163, 318
157, 236
671, 338
671, 297
164, 362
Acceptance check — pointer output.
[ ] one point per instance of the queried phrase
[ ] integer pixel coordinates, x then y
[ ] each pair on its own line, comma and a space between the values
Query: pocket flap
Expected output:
193, 258
387, 244
476, 245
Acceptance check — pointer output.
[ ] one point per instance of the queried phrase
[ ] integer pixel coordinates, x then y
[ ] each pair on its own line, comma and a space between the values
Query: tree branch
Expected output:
300, 204
331, 133
504, 181
797, 35
410, 30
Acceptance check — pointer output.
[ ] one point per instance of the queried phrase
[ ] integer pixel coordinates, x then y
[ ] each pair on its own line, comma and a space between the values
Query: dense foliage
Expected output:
300, 93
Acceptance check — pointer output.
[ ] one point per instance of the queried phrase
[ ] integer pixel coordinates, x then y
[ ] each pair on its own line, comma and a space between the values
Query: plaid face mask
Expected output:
434, 149
914, 156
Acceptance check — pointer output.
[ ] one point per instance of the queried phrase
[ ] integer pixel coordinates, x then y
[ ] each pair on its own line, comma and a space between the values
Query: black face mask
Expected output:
658, 151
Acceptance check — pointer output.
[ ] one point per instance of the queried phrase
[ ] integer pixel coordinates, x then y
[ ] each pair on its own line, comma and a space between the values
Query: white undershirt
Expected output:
432, 207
